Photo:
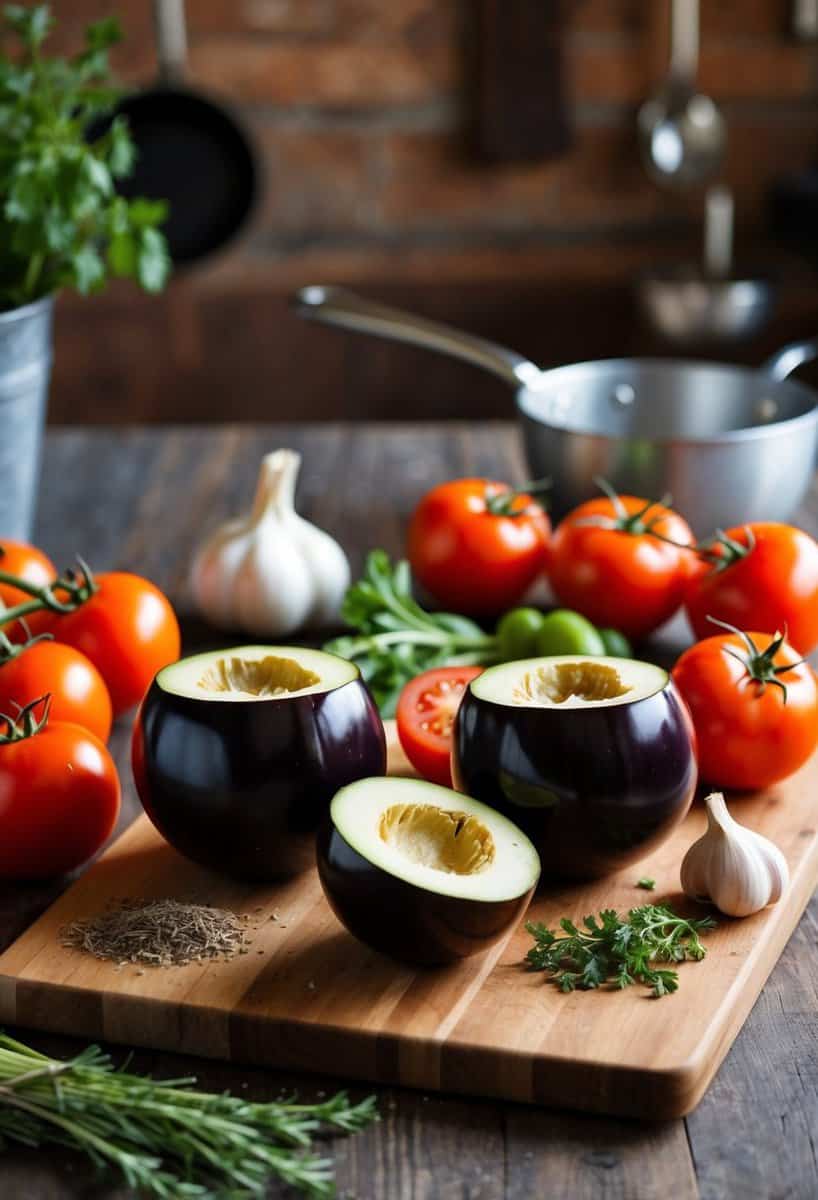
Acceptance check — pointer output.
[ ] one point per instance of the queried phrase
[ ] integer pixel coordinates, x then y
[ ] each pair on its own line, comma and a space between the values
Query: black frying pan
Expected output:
191, 151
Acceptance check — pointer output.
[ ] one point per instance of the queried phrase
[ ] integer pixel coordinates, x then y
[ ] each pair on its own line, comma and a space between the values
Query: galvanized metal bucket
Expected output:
25, 369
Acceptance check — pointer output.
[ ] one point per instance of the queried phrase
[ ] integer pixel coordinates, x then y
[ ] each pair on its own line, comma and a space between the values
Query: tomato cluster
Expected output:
620, 561
627, 565
75, 651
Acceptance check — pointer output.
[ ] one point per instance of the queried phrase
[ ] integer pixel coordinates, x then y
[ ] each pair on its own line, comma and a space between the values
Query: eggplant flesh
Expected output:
595, 787
242, 786
421, 873
403, 920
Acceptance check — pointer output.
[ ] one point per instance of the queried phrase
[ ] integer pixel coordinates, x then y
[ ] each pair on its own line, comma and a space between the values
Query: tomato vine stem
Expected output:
501, 504
77, 583
26, 723
760, 664
636, 523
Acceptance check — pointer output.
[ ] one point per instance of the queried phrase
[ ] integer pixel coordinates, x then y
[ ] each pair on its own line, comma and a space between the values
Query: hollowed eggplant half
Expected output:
593, 757
237, 754
421, 873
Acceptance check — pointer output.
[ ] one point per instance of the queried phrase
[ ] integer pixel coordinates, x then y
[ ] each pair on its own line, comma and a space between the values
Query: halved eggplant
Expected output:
237, 754
593, 757
421, 873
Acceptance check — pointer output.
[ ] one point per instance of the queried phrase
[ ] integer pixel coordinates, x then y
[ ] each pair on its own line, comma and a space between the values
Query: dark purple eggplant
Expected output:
423, 874
594, 758
237, 754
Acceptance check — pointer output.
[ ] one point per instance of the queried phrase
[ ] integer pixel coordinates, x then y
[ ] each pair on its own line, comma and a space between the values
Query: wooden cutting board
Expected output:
306, 995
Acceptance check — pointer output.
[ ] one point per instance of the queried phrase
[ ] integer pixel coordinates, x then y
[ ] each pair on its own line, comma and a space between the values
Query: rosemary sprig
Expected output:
167, 1140
622, 951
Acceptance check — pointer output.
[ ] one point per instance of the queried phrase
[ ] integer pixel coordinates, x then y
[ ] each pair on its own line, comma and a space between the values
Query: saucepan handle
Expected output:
171, 39
337, 306
789, 358
684, 40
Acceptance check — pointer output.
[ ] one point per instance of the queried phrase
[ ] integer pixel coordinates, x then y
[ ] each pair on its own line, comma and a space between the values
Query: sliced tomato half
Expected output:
426, 712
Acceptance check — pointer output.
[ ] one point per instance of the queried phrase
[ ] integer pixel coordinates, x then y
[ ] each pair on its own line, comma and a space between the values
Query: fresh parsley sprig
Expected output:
396, 638
61, 221
623, 952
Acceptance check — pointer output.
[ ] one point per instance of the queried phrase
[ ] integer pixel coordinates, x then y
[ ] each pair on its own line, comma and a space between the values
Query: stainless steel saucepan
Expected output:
731, 444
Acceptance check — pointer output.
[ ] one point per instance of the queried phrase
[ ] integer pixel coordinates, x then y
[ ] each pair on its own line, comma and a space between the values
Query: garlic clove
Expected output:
329, 566
733, 867
272, 588
738, 886
777, 867
212, 573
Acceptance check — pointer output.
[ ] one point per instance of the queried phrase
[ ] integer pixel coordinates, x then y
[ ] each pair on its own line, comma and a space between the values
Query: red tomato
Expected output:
748, 737
59, 800
78, 691
607, 562
774, 585
473, 559
128, 630
28, 563
426, 712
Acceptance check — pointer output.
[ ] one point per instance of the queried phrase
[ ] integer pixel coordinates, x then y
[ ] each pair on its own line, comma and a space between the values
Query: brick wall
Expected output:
361, 110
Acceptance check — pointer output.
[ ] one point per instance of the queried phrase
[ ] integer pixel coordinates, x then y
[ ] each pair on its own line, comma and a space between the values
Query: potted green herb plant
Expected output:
61, 222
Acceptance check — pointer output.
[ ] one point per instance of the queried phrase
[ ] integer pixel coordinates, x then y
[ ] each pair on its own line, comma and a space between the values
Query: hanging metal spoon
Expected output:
704, 303
682, 134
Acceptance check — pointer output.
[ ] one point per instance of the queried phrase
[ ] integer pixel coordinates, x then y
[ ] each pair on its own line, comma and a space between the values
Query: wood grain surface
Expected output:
305, 993
141, 499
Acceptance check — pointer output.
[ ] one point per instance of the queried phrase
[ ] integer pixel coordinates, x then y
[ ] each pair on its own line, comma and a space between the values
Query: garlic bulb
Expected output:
738, 870
271, 572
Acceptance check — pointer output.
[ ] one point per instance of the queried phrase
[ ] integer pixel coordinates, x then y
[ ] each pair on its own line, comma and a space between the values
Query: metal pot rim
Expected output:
771, 429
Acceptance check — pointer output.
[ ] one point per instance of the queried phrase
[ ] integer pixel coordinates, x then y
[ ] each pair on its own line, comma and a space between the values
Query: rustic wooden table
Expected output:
141, 500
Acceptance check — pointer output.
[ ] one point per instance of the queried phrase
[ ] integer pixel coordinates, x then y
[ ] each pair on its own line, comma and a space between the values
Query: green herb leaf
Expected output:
88, 269
123, 254
103, 34
145, 214
610, 949
24, 195
60, 211
120, 149
153, 261
33, 25
97, 174
397, 638
646, 883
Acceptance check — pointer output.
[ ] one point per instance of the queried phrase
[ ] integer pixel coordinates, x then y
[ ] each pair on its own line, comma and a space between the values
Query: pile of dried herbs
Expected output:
158, 933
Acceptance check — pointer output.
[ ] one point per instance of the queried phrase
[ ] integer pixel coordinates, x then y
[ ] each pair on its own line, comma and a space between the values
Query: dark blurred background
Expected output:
367, 117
